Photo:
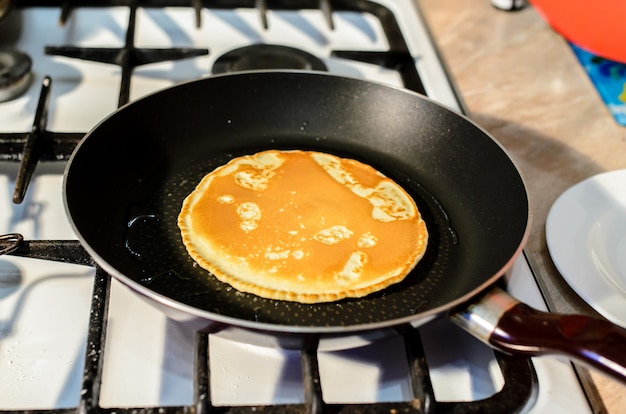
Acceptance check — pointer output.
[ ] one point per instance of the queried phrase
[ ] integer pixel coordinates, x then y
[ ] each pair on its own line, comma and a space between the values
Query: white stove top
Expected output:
45, 306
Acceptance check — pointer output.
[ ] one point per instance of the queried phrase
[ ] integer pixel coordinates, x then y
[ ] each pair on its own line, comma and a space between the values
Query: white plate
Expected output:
586, 235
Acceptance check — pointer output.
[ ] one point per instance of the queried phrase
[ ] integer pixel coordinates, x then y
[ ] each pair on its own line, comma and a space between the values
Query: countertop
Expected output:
521, 82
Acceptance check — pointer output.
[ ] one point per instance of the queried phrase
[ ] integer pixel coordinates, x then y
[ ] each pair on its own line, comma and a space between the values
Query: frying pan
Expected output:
126, 180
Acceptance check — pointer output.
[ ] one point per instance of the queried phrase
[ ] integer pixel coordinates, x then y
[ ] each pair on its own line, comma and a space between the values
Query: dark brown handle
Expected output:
505, 323
592, 341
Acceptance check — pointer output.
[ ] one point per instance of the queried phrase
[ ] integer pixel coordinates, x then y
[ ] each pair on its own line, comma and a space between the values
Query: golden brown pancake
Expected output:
302, 226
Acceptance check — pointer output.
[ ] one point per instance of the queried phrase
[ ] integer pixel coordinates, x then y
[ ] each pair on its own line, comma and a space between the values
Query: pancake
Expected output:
302, 226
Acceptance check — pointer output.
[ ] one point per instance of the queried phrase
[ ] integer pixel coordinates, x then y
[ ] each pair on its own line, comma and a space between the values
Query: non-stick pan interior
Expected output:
126, 182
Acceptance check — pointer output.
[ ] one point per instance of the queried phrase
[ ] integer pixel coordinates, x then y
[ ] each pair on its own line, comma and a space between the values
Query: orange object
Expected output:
598, 26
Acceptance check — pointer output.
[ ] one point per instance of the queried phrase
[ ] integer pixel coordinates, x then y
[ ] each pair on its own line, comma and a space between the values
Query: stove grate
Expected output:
38, 144
519, 390
41, 144
520, 383
128, 57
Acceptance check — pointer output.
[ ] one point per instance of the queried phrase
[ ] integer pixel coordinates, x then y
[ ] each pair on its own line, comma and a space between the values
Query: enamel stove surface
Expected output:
45, 306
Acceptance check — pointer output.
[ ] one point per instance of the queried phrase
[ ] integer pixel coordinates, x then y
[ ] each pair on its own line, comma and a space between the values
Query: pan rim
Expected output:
418, 318
415, 320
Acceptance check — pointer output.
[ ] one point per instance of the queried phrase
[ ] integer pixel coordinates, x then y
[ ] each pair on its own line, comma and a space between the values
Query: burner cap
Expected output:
15, 73
262, 56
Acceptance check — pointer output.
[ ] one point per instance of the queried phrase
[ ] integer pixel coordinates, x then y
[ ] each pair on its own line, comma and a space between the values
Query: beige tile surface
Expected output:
521, 82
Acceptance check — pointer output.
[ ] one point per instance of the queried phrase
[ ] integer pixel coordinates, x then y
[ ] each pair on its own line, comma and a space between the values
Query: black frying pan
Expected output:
125, 183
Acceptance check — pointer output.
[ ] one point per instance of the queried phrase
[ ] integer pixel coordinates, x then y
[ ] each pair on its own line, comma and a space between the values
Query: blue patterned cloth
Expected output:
609, 78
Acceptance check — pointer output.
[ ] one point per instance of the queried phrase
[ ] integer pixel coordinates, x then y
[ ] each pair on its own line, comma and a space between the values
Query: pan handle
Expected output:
506, 324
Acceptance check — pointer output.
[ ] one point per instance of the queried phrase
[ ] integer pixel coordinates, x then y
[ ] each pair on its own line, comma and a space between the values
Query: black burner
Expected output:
14, 73
264, 56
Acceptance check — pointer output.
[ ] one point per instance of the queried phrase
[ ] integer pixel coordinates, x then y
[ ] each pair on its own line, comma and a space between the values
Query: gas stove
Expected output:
72, 338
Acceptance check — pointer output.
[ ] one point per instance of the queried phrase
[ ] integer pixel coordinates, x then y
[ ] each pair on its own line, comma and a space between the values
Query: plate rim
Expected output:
573, 264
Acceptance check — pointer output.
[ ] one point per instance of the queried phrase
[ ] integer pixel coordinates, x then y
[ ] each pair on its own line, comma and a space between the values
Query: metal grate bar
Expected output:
55, 146
314, 400
38, 144
96, 337
33, 144
519, 390
66, 251
402, 62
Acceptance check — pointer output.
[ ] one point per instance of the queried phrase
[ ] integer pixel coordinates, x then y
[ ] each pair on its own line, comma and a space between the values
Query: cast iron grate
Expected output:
520, 383
41, 144
518, 393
